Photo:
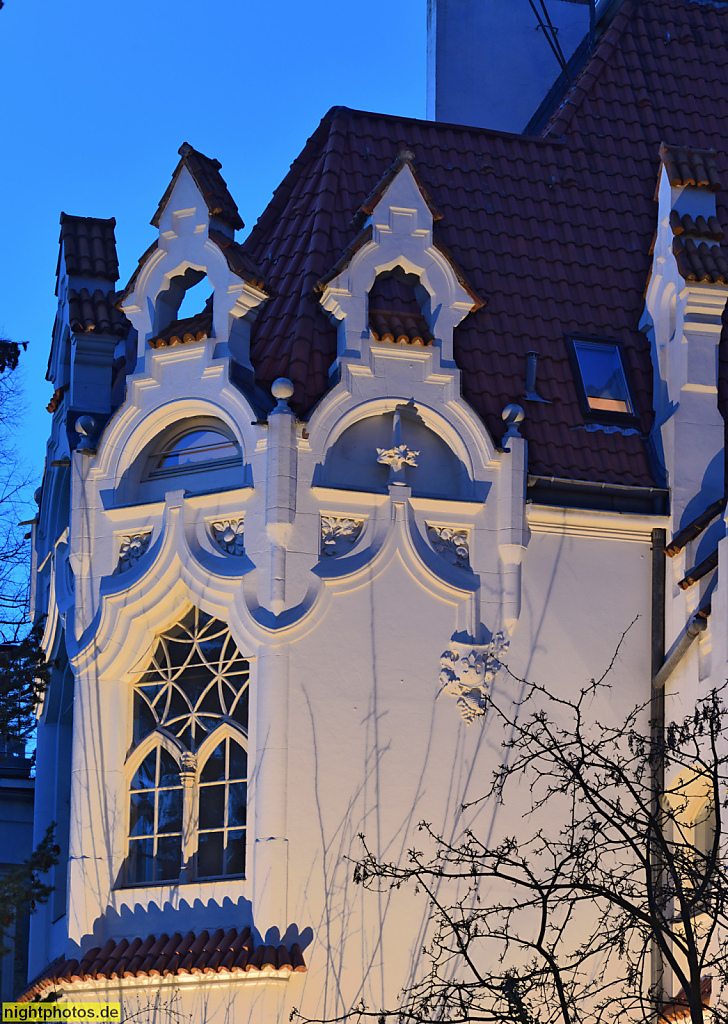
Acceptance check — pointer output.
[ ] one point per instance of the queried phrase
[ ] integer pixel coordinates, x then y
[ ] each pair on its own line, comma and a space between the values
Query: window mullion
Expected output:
188, 775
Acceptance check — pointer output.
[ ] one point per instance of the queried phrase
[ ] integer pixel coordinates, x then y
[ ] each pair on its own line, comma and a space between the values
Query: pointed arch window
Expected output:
188, 760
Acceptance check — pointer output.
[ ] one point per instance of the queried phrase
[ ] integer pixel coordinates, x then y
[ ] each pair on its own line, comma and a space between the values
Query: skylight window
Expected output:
602, 377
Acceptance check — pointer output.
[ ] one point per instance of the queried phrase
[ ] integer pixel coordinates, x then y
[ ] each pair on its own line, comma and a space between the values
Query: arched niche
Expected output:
351, 463
197, 453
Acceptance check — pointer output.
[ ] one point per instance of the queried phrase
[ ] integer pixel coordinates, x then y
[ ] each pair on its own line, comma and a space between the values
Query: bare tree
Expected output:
565, 926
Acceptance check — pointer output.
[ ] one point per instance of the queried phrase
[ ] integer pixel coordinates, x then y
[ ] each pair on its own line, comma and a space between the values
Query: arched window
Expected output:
155, 819
187, 809
222, 815
195, 449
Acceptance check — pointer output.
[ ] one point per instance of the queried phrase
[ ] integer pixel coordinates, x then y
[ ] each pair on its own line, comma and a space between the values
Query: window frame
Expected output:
191, 764
605, 417
153, 471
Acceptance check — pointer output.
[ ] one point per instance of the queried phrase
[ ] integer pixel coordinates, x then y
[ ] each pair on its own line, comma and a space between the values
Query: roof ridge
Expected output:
562, 117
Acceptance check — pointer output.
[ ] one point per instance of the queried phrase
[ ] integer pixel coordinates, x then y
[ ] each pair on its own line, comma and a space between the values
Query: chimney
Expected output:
490, 63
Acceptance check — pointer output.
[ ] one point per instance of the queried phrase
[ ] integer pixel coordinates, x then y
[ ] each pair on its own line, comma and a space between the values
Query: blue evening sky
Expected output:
98, 97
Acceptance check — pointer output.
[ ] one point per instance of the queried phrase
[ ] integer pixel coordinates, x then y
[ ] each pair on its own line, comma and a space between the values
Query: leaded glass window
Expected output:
187, 815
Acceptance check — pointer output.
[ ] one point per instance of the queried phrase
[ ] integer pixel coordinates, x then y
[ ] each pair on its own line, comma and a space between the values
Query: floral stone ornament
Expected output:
338, 533
131, 548
466, 672
451, 543
228, 535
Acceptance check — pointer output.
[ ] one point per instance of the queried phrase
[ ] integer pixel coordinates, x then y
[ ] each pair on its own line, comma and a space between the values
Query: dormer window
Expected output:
600, 376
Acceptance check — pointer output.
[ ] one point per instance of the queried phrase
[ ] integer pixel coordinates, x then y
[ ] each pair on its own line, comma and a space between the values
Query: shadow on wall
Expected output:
155, 919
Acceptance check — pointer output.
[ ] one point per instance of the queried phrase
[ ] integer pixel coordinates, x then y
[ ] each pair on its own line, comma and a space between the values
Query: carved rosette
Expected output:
131, 548
397, 457
338, 534
451, 543
466, 672
227, 535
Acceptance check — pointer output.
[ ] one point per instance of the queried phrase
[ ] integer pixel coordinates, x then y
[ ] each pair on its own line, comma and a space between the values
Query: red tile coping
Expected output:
699, 228
700, 262
207, 177
678, 1008
239, 261
96, 313
696, 527
180, 332
389, 325
690, 167
57, 398
224, 951
89, 247
405, 156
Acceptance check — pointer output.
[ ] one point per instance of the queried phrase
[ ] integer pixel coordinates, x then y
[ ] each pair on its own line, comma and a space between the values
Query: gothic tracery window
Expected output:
187, 794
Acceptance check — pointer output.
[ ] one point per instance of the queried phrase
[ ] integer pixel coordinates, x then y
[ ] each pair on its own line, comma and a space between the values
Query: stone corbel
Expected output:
467, 671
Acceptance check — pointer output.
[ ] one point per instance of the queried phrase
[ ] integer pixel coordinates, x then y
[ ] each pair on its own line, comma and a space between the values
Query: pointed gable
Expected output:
205, 172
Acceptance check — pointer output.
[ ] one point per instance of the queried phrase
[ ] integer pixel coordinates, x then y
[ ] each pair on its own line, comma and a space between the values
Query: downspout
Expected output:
657, 729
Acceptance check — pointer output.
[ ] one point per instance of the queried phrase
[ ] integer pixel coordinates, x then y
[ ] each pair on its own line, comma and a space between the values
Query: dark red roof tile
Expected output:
554, 232
89, 247
239, 261
162, 956
207, 177
687, 166
96, 313
181, 332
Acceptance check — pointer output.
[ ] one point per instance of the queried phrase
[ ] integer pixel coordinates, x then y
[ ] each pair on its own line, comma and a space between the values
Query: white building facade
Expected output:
274, 622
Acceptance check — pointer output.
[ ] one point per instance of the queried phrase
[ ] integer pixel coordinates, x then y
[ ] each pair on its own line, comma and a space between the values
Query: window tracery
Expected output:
187, 793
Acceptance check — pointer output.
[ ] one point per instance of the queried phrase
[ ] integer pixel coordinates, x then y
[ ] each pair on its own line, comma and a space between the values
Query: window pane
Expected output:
169, 857
141, 862
168, 769
236, 803
170, 810
214, 768
212, 806
235, 854
141, 814
603, 377
209, 855
198, 446
238, 762
144, 777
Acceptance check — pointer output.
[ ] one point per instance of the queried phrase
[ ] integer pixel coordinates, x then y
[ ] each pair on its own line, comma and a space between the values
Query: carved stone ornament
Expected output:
339, 533
131, 548
227, 534
451, 543
397, 457
466, 672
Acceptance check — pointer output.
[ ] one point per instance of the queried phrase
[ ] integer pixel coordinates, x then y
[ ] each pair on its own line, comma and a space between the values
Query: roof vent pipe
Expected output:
531, 369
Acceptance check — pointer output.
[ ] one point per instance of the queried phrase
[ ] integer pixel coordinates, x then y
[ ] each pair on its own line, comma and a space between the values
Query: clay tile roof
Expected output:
207, 177
678, 1008
389, 325
225, 951
95, 313
554, 230
180, 332
699, 261
698, 228
690, 167
89, 247
239, 261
